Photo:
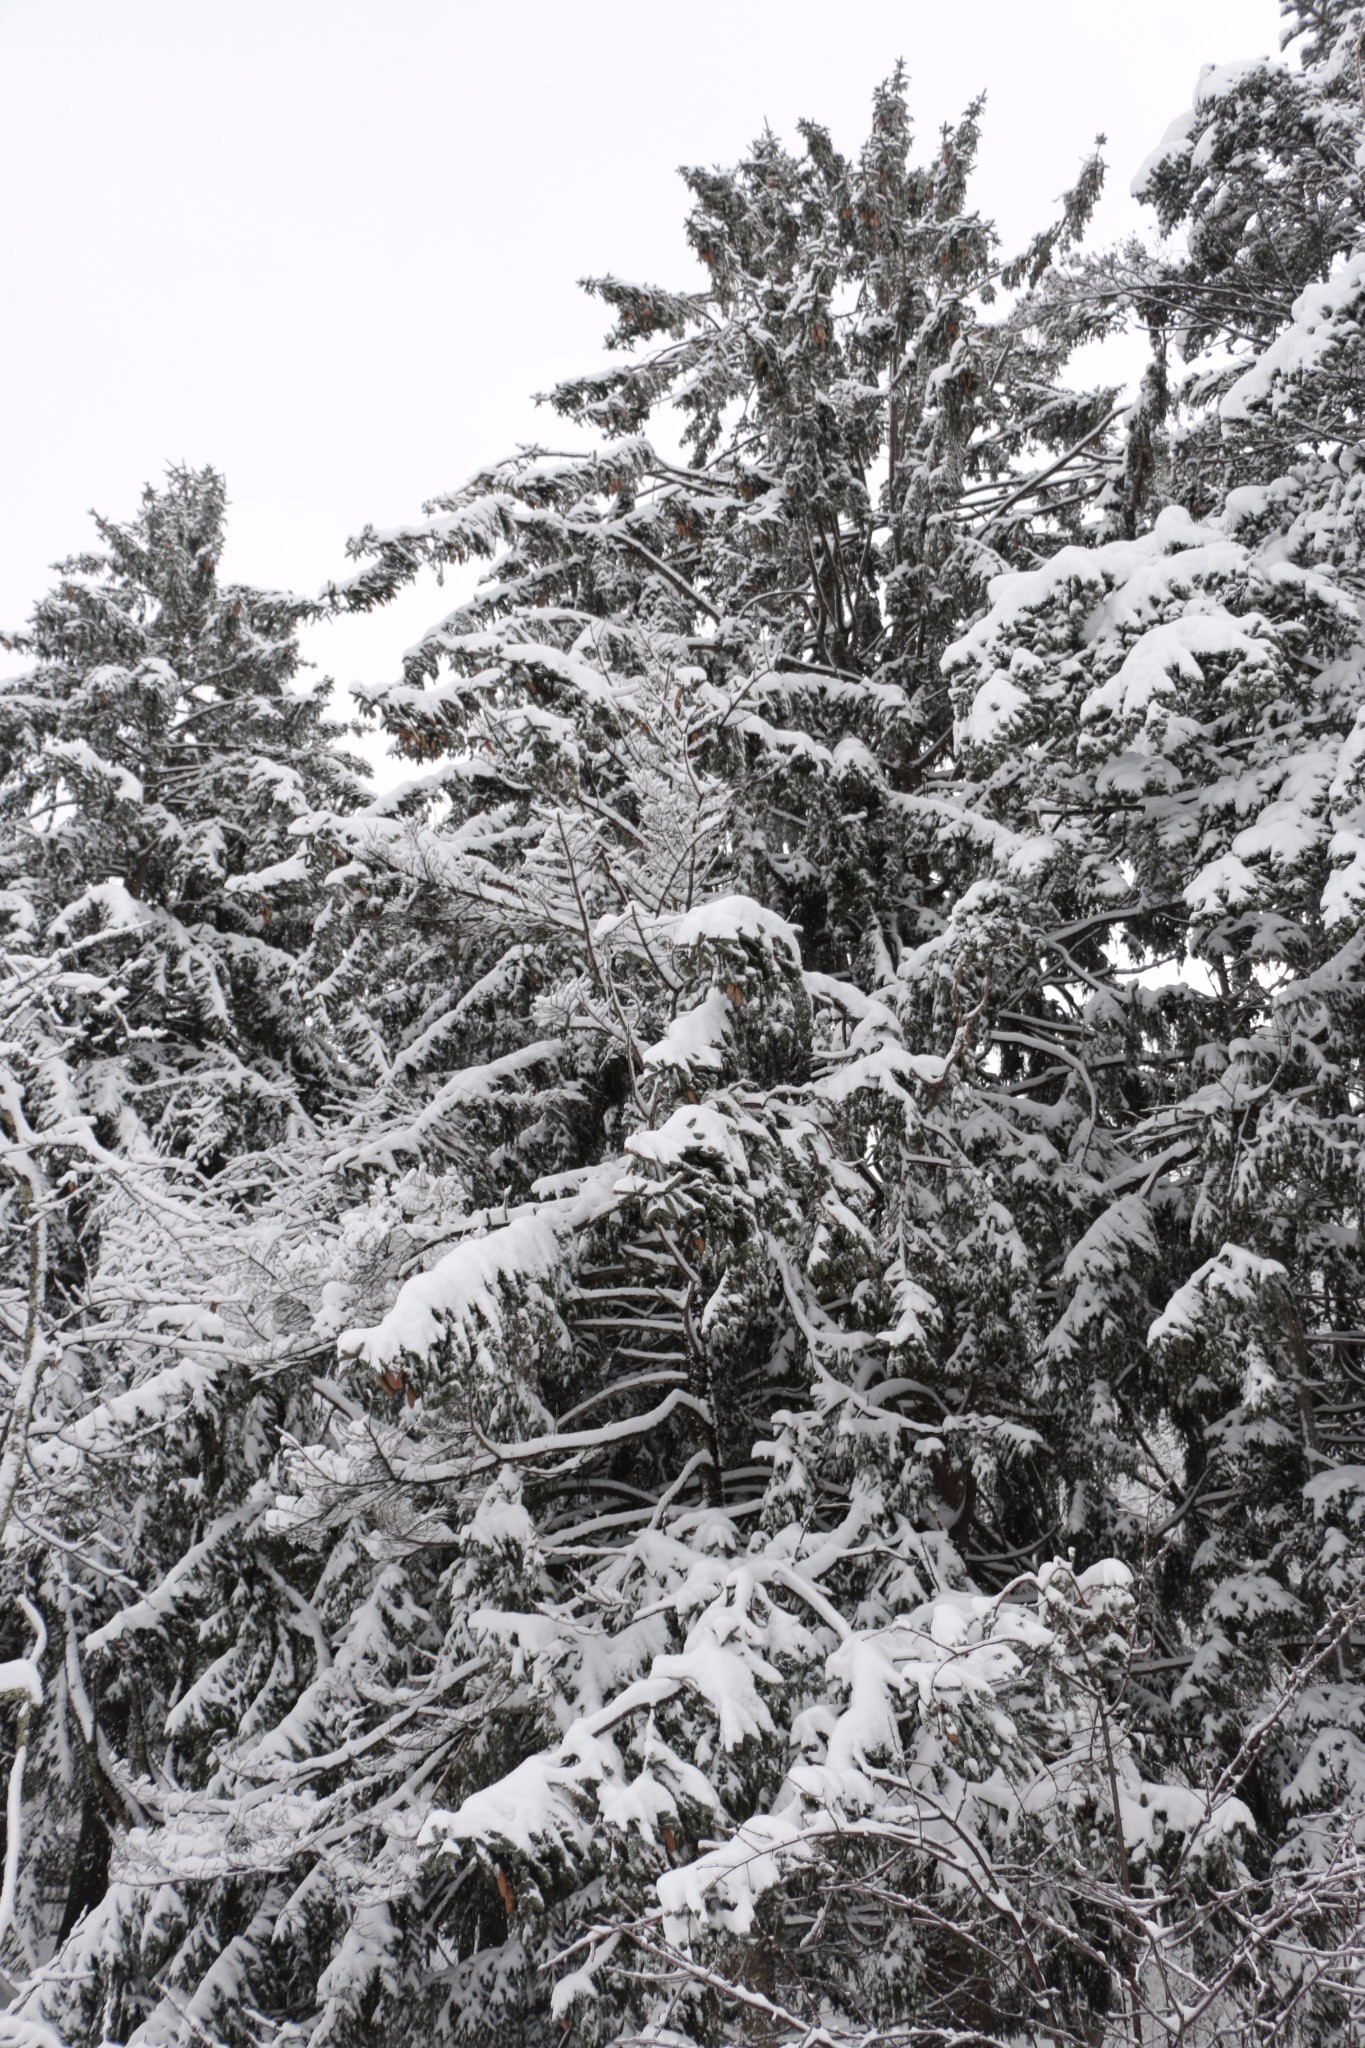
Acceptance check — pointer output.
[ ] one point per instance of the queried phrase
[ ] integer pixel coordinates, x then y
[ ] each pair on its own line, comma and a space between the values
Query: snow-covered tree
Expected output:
150, 766
602, 961
1257, 191
789, 1465
157, 1033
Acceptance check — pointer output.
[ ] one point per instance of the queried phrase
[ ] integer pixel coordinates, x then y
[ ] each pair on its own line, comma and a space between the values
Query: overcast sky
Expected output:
331, 245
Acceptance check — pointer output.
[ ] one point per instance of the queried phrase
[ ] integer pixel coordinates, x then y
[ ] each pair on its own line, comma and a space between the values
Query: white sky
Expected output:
331, 245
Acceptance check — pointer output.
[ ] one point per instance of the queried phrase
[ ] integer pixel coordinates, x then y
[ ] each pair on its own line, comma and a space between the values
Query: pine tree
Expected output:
1257, 188
619, 1258
789, 1465
151, 765
1161, 736
157, 1029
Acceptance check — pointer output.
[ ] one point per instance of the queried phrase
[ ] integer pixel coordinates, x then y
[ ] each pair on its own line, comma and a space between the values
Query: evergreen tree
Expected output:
158, 1028
643, 1431
151, 765
1257, 192
774, 1457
